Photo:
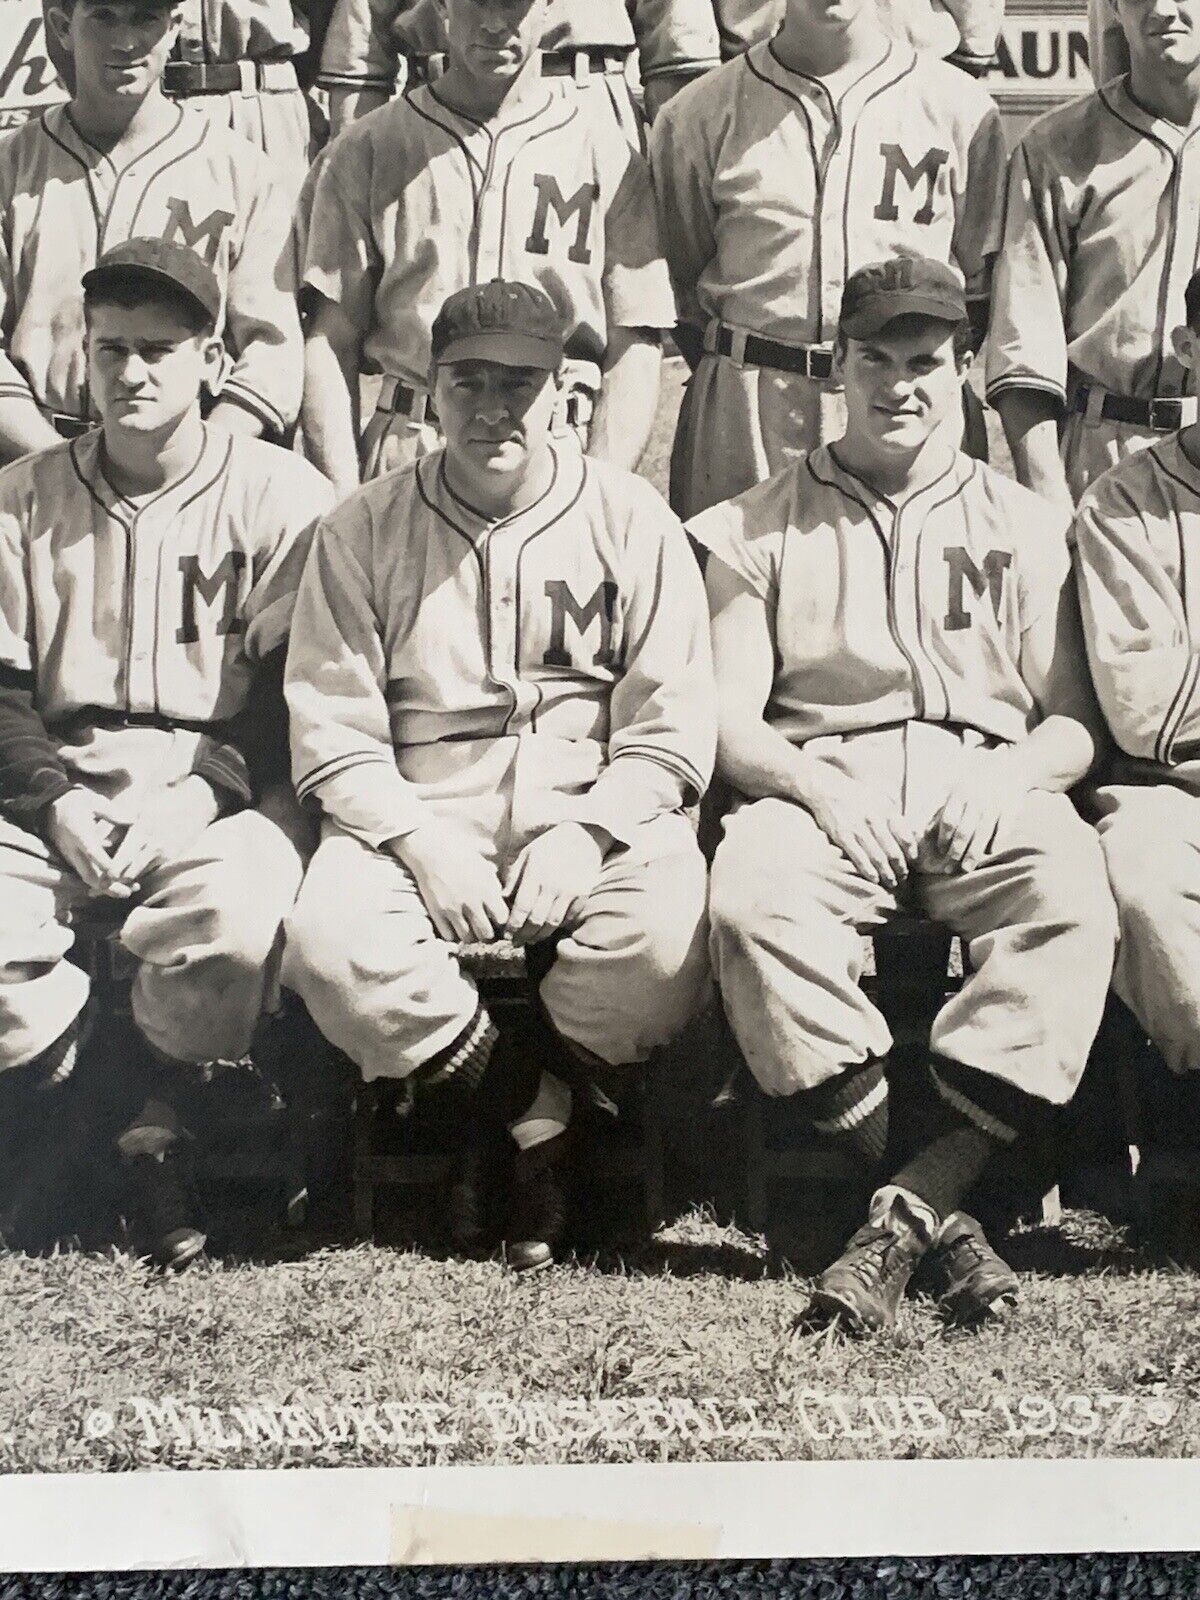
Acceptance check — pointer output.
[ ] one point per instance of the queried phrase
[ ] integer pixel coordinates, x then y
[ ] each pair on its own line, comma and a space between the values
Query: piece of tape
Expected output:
423, 1536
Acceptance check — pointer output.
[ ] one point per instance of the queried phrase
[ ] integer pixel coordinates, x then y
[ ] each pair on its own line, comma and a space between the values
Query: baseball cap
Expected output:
901, 286
163, 261
516, 324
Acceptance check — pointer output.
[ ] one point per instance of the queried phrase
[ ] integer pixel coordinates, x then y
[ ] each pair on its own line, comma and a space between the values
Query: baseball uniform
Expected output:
1137, 538
62, 203
131, 635
585, 48
1100, 239
552, 666
898, 634
769, 197
415, 201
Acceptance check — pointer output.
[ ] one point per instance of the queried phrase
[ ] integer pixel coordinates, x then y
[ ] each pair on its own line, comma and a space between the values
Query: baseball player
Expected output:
121, 160
147, 574
586, 49
904, 703
1100, 239
776, 176
501, 698
489, 171
1137, 536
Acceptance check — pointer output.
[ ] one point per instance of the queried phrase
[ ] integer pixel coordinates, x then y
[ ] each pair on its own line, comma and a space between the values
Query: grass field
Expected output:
318, 1351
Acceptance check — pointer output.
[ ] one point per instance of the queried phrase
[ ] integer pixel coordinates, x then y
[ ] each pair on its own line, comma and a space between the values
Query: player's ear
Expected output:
218, 364
1186, 345
59, 21
839, 358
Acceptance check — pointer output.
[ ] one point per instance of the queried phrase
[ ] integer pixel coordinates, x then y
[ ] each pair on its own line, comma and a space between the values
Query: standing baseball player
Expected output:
487, 172
1100, 240
904, 704
779, 174
1137, 536
587, 49
501, 698
122, 160
147, 575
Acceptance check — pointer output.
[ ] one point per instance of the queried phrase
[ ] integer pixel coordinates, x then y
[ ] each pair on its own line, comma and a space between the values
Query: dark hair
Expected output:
1191, 302
129, 289
963, 332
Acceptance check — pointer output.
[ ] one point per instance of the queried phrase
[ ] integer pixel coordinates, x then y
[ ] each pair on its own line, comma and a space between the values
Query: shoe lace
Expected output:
875, 1256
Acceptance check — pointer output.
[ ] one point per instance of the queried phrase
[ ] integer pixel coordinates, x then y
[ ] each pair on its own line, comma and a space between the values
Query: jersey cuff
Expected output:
1023, 380
354, 80
1180, 705
237, 394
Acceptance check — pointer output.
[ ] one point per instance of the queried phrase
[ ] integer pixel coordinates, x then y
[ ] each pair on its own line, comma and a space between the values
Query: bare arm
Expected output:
628, 397
23, 429
347, 105
1062, 748
1030, 421
329, 413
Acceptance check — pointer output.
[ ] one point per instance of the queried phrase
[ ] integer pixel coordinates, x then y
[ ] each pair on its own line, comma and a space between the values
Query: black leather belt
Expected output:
109, 717
227, 77
810, 361
1161, 415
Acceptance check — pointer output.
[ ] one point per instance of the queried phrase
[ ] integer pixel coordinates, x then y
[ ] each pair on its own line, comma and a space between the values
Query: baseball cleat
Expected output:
537, 1221
164, 1210
862, 1289
473, 1190
969, 1281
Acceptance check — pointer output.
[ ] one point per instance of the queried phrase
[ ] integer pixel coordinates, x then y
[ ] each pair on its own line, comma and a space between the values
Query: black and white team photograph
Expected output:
599, 733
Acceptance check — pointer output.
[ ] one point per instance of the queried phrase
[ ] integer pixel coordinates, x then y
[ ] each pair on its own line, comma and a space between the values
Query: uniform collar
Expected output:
566, 486
60, 127
1117, 98
763, 62
826, 468
87, 458
536, 108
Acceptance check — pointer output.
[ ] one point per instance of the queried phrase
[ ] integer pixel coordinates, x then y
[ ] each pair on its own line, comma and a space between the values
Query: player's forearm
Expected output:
329, 414
759, 762
1055, 755
1030, 421
628, 399
23, 429
347, 105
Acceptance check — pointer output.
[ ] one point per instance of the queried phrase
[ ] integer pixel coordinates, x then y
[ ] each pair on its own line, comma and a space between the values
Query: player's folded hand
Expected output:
460, 887
964, 830
864, 825
170, 821
549, 882
81, 827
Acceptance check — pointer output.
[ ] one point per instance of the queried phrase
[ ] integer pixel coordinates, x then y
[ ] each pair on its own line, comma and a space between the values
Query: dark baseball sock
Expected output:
464, 1061
977, 1116
851, 1110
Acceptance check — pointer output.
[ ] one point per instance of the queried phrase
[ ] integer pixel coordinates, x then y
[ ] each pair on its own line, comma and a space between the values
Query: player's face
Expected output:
901, 385
145, 366
493, 39
1162, 33
495, 418
119, 47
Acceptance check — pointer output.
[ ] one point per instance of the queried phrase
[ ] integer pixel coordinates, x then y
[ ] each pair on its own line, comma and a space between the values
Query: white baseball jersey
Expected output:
367, 39
63, 203
770, 196
1137, 536
562, 650
137, 624
883, 616
414, 201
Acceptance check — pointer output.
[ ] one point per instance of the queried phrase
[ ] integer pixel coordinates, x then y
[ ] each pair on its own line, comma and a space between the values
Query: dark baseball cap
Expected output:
516, 324
162, 261
900, 287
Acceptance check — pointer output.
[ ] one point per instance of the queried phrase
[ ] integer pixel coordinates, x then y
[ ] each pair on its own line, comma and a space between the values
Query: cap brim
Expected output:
875, 314
96, 277
506, 349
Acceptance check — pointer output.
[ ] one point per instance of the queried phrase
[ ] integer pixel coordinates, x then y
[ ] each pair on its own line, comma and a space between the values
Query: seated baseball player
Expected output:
586, 48
903, 706
1137, 537
501, 698
826, 147
1099, 239
147, 574
488, 172
119, 160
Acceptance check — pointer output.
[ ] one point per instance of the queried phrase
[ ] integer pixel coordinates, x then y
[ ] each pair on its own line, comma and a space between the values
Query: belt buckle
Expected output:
1158, 411
818, 363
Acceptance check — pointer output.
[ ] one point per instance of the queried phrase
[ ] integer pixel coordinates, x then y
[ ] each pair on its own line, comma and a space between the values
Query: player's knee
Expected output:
1145, 882
1069, 883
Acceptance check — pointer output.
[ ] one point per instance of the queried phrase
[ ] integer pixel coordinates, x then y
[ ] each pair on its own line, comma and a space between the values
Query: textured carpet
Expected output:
1118, 1577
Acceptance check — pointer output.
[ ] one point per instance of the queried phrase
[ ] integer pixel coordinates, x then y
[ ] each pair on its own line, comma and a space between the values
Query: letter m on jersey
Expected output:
220, 584
580, 206
915, 173
203, 237
601, 607
964, 571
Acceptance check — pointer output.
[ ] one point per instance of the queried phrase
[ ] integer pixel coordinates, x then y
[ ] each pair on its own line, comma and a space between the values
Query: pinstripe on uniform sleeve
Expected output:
1144, 667
662, 714
335, 685
1027, 340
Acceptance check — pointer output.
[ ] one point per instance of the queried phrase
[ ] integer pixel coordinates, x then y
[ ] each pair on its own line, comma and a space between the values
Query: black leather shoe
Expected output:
863, 1288
969, 1281
164, 1209
537, 1218
473, 1202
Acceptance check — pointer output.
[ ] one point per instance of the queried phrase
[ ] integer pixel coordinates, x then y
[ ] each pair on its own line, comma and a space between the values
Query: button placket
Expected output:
144, 542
